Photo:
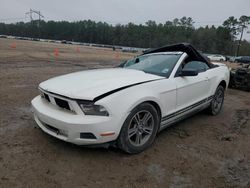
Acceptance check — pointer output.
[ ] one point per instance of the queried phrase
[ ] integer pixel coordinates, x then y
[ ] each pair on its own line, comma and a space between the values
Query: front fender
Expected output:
123, 102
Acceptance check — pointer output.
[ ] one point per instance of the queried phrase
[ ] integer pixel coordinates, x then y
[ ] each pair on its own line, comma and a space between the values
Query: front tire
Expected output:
217, 101
139, 129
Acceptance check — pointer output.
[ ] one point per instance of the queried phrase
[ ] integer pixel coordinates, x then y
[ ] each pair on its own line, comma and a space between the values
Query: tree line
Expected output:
210, 39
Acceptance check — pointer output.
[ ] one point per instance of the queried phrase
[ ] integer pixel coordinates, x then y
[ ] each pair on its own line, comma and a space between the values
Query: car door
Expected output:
192, 90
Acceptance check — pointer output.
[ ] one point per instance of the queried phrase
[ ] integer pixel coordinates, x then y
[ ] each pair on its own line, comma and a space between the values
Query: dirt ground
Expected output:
202, 151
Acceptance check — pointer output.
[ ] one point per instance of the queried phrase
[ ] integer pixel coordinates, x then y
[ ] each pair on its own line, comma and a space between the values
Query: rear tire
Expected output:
139, 129
217, 101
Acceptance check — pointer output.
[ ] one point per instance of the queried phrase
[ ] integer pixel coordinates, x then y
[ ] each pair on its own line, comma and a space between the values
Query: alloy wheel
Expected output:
140, 128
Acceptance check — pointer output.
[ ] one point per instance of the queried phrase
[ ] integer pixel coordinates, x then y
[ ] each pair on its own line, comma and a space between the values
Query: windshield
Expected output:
158, 64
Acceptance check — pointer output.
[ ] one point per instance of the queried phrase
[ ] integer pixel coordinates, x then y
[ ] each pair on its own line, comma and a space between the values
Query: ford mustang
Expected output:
127, 106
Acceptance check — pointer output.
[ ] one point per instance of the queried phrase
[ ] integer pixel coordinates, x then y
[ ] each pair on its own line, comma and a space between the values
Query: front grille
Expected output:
46, 97
57, 101
62, 103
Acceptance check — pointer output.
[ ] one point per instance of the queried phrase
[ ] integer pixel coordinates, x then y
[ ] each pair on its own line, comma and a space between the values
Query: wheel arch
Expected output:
223, 83
151, 100
156, 106
121, 140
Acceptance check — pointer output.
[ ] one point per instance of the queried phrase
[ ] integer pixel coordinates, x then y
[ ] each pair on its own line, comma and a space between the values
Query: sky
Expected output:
203, 12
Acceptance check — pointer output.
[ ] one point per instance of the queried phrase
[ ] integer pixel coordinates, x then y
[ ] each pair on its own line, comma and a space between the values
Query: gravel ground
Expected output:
202, 151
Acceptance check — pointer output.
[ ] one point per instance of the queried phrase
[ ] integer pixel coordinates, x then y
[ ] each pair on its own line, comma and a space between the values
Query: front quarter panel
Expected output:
120, 104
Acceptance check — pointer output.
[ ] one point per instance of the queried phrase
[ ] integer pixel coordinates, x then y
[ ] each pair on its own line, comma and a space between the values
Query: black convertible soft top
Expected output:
182, 47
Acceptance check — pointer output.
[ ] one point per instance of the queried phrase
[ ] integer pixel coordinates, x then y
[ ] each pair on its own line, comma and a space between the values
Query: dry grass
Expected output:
30, 50
45, 51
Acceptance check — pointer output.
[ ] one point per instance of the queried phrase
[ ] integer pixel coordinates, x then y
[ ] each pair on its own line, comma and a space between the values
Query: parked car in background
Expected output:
129, 49
231, 59
64, 42
243, 59
240, 77
216, 57
3, 36
128, 105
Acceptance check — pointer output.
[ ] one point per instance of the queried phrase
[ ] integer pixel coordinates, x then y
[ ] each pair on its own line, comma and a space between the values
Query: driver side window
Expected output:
196, 65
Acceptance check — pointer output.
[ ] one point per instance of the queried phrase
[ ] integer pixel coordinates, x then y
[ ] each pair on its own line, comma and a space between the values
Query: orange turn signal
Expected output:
107, 134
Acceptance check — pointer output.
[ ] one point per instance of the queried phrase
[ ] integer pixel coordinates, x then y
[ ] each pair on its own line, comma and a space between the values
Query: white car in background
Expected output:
128, 105
216, 57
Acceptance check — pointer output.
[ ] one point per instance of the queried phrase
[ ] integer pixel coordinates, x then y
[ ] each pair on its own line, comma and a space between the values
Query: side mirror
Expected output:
188, 72
137, 60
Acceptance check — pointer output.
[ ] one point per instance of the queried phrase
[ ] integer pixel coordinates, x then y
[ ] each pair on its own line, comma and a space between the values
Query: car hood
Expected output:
89, 84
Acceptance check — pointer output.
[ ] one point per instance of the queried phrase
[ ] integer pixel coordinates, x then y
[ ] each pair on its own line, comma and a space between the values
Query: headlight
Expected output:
89, 108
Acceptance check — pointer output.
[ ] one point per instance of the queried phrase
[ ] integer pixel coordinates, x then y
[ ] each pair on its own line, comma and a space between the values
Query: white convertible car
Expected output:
128, 105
